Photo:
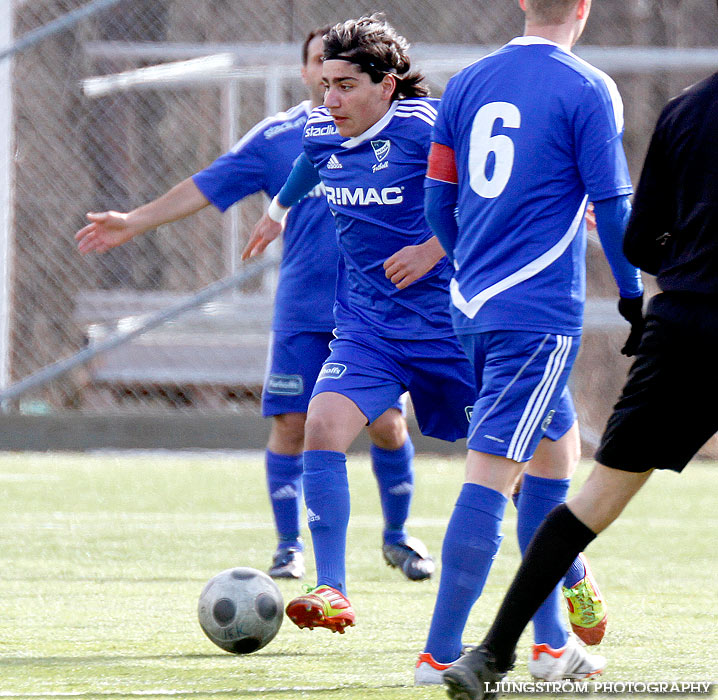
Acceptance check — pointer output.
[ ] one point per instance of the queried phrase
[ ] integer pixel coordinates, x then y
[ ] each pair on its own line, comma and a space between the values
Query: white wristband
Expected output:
276, 211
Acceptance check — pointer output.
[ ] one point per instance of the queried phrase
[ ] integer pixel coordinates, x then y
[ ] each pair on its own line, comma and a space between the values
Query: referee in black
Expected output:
660, 421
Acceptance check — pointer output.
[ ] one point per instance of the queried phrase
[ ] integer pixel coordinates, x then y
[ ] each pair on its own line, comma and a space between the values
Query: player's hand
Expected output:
632, 311
412, 262
107, 229
265, 231
590, 218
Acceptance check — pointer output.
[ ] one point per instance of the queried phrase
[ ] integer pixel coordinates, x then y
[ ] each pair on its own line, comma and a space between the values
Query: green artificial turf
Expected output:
103, 557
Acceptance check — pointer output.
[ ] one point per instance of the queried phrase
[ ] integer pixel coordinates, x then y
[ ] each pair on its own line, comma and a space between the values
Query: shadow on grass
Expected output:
124, 658
226, 692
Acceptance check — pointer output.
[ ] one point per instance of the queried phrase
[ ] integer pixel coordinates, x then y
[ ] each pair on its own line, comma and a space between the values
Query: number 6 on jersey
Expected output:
482, 144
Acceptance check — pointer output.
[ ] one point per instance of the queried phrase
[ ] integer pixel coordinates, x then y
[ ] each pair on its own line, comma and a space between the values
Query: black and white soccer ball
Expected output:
241, 610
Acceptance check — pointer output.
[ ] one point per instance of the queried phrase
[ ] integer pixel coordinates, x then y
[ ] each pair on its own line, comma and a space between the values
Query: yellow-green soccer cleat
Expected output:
587, 611
322, 606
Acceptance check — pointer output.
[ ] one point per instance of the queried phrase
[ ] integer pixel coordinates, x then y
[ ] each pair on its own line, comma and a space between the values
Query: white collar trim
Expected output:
372, 130
533, 40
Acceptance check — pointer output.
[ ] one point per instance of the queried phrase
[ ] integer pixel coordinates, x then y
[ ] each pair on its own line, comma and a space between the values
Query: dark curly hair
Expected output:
375, 46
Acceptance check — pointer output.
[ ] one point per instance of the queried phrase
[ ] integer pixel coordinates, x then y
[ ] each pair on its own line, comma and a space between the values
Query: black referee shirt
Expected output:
673, 231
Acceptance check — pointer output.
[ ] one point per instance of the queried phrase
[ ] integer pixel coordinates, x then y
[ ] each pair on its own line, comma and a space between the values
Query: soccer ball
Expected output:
241, 610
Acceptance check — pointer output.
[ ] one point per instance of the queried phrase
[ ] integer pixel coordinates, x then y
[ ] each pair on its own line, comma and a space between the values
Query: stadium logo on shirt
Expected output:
320, 130
285, 126
346, 196
333, 163
332, 370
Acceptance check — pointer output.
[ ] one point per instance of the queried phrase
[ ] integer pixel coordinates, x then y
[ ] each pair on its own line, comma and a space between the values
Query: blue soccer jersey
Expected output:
520, 252
374, 187
261, 161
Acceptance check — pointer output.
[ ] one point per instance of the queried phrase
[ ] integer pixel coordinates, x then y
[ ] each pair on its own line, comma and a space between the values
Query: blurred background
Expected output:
91, 122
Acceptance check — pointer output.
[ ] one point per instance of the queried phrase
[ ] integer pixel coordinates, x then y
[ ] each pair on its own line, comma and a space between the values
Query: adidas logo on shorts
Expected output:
334, 163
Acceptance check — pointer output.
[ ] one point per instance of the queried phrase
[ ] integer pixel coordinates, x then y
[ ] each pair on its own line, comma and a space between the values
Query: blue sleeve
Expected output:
234, 175
441, 132
440, 200
300, 182
598, 132
611, 219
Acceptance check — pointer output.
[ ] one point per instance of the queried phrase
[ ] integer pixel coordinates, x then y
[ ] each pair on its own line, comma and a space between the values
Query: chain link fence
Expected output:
95, 126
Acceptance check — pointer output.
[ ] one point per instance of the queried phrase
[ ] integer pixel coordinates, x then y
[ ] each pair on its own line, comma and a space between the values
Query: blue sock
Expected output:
470, 546
395, 476
537, 499
326, 492
284, 481
576, 572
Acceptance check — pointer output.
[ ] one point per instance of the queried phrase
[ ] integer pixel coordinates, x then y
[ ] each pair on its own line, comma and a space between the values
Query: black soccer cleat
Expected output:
412, 557
288, 562
474, 676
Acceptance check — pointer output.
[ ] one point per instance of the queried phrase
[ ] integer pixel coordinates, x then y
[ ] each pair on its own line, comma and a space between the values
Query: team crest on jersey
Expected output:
381, 149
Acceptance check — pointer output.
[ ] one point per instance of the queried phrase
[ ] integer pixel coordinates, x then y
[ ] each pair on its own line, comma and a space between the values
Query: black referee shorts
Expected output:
669, 405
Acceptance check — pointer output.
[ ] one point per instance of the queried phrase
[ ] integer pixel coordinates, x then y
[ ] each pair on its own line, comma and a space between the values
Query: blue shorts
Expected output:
374, 372
523, 394
293, 363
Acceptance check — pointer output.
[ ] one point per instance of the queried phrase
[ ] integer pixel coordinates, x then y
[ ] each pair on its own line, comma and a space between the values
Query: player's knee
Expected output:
287, 433
321, 431
389, 431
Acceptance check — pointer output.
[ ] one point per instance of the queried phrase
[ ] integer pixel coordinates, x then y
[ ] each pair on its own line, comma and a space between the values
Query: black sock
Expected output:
553, 547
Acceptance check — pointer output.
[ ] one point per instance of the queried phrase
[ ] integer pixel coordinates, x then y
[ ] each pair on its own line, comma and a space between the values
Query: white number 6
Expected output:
483, 143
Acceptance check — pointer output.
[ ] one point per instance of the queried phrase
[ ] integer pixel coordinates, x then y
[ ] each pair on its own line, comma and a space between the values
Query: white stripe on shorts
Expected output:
507, 387
540, 397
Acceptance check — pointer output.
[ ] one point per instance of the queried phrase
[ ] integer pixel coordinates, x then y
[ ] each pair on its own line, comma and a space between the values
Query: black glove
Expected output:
632, 311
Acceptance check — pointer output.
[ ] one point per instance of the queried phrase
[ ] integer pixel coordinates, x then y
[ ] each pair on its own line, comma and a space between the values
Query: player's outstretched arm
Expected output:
412, 262
109, 229
265, 231
299, 183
